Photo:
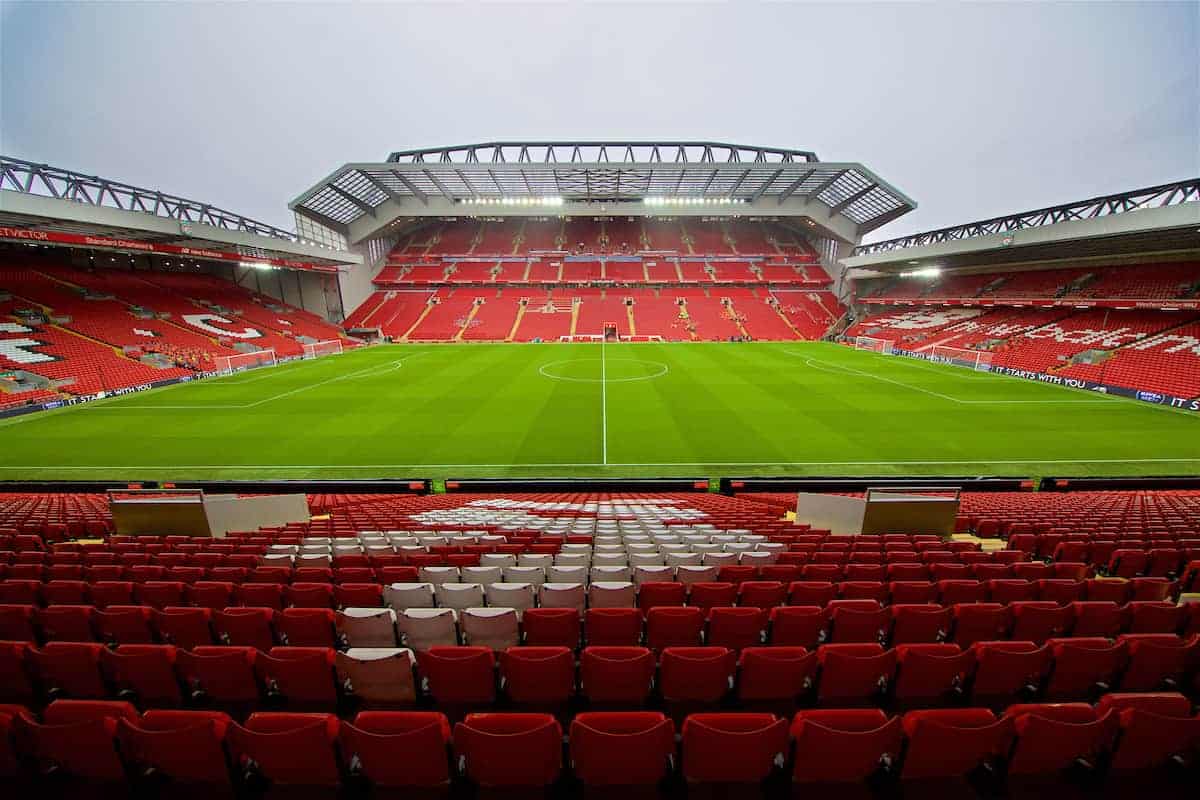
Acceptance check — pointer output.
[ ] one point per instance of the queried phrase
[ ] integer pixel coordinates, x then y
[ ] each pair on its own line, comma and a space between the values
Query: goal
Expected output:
874, 345
241, 361
329, 347
979, 360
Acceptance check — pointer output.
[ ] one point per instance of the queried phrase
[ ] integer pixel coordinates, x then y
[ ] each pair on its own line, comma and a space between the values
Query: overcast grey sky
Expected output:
972, 110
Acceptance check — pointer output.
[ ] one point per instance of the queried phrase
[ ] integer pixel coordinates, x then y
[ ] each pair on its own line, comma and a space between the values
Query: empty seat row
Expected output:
415, 622
112, 742
907, 676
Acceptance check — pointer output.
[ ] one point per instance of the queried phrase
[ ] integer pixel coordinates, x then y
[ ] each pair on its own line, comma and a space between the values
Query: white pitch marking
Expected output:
604, 401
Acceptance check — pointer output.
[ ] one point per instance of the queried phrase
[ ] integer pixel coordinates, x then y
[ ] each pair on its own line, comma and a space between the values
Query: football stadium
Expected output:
564, 467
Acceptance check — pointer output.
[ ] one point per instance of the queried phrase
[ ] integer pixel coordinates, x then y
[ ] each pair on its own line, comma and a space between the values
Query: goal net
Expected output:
874, 345
329, 347
241, 361
980, 360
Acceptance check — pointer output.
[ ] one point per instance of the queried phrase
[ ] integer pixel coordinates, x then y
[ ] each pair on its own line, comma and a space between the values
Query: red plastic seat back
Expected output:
509, 749
843, 745
288, 749
538, 674
621, 748
616, 674
399, 748
732, 748
459, 674
183, 745
697, 674
949, 743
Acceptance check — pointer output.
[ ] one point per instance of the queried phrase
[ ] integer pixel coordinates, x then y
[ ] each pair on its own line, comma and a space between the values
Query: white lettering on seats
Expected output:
18, 350
1182, 343
201, 321
920, 320
14, 327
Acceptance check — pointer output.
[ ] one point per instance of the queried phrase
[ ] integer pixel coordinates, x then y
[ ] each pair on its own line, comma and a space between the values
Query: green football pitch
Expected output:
550, 410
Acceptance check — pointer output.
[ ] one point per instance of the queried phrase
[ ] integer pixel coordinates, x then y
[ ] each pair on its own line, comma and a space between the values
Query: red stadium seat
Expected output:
543, 676
144, 674
616, 674
854, 674
459, 675
732, 748
668, 626
185, 746
68, 669
1055, 736
621, 748
931, 675
78, 737
287, 749
697, 674
299, 677
844, 745
398, 748
558, 627
499, 750
220, 675
949, 743
613, 627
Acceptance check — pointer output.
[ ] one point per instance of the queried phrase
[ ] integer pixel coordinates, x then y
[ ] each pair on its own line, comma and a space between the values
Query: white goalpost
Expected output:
874, 345
241, 361
329, 347
979, 360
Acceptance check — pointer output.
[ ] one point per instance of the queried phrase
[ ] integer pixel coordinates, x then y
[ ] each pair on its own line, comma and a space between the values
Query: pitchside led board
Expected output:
928, 509
189, 512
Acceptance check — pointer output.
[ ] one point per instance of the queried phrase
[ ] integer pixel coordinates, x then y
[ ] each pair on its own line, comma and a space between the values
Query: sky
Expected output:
972, 110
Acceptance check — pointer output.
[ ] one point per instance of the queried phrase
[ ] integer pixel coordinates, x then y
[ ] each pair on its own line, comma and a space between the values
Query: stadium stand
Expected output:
815, 659
81, 332
608, 260
1116, 325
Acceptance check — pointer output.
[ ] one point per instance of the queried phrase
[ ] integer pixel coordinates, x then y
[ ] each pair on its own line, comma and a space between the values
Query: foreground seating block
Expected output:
844, 745
398, 748
502, 750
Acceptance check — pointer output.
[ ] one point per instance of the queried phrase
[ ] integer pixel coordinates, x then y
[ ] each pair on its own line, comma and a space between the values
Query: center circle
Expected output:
616, 370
